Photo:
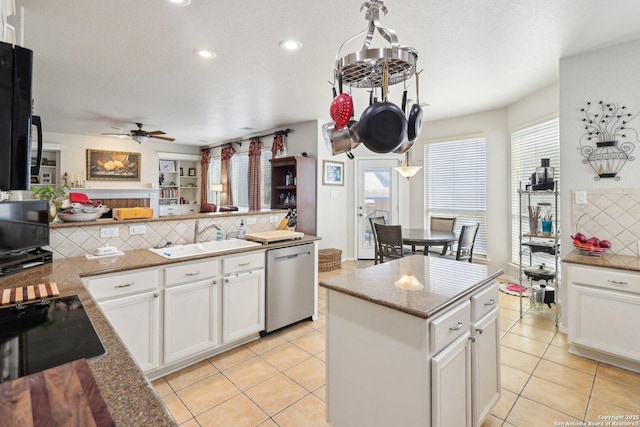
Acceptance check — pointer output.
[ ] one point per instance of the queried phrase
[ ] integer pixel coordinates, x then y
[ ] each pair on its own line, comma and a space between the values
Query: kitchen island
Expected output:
412, 342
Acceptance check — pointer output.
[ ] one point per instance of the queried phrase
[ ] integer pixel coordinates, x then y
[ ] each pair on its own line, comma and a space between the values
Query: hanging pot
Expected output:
406, 143
341, 140
341, 108
415, 115
383, 126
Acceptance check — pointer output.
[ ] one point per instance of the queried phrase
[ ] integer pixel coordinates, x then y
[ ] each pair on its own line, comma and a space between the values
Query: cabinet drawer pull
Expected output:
242, 264
491, 302
458, 327
617, 282
126, 285
192, 274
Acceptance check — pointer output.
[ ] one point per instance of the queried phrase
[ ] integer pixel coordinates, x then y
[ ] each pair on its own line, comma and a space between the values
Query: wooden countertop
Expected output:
130, 398
445, 282
620, 262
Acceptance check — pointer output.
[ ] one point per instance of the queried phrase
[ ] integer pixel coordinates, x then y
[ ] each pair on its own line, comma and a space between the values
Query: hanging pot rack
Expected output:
364, 68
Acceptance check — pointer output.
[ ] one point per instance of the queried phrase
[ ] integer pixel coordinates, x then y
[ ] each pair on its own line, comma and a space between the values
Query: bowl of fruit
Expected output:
592, 246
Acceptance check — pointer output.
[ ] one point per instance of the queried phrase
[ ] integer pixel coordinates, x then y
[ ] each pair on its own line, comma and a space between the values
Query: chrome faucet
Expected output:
198, 231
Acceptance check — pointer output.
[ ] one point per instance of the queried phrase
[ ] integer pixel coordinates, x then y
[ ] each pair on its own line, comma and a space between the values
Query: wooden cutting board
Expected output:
29, 293
65, 395
274, 236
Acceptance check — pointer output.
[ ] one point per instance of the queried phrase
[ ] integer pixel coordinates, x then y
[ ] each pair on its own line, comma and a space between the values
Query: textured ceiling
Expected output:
109, 63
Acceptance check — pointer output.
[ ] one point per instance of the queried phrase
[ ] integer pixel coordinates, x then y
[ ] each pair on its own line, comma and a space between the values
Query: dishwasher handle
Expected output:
292, 256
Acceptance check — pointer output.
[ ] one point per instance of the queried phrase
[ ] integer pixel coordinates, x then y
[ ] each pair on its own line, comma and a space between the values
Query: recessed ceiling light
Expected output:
291, 44
205, 53
180, 2
247, 128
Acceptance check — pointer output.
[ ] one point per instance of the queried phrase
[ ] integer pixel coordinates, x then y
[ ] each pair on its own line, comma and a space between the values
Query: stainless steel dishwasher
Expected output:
290, 285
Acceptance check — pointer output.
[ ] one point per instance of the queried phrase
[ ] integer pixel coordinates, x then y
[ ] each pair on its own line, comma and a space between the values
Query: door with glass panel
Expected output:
377, 195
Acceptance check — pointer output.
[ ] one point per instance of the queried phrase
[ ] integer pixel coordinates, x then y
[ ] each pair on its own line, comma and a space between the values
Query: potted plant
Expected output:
56, 196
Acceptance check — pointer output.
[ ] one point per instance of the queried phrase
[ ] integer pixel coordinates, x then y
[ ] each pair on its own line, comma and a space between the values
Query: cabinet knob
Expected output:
472, 339
478, 330
215, 282
156, 295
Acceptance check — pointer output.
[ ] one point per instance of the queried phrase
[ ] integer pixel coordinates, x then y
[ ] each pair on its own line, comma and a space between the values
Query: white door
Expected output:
450, 385
485, 366
242, 305
136, 319
377, 195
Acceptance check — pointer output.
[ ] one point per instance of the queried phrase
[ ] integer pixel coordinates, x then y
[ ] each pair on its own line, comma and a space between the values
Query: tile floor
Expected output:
279, 380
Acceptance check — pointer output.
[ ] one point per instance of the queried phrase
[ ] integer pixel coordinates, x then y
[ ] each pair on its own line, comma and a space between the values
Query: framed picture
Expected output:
113, 166
192, 171
167, 166
332, 173
51, 162
34, 180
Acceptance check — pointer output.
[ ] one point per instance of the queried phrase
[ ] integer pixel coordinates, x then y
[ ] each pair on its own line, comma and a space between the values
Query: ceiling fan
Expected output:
140, 136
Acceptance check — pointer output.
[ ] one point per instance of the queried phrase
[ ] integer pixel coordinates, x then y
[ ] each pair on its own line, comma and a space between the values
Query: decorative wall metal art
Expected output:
607, 126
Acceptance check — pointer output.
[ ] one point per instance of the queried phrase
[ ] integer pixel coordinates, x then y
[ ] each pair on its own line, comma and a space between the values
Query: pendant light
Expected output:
405, 169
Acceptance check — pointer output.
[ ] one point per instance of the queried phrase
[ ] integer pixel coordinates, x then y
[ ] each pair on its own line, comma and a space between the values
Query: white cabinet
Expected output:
136, 319
451, 385
485, 365
242, 296
179, 180
603, 314
191, 314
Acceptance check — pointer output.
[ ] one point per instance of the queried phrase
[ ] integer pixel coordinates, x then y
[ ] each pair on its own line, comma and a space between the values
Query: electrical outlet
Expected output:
251, 221
581, 197
109, 232
137, 229
273, 219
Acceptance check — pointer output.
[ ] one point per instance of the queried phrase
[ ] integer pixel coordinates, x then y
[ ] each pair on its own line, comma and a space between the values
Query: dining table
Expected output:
427, 237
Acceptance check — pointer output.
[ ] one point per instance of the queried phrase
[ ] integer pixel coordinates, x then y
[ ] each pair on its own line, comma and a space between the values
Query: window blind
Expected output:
455, 185
528, 147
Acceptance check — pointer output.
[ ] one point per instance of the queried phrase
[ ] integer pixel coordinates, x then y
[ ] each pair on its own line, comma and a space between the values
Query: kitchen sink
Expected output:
195, 249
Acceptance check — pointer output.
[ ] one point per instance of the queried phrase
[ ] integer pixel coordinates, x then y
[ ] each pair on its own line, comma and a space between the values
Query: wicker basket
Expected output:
329, 259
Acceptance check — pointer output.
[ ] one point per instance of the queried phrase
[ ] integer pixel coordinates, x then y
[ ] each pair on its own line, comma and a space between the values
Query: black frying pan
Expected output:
383, 126
415, 116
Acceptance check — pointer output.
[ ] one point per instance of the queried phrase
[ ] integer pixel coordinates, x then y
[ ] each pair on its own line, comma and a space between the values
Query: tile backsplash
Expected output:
611, 214
67, 242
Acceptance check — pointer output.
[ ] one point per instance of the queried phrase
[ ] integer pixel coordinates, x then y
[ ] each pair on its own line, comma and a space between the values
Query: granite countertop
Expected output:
620, 262
445, 282
130, 398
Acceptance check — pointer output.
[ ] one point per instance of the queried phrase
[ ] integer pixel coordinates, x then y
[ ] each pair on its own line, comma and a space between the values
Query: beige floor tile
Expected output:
311, 374
513, 379
308, 412
321, 323
322, 356
250, 372
619, 375
557, 397
527, 413
238, 411
321, 393
616, 393
191, 374
177, 409
509, 314
207, 393
503, 406
518, 360
508, 425
322, 292
268, 423
266, 343
313, 342
299, 329
560, 340
524, 344
561, 356
285, 356
276, 393
232, 357
162, 387
529, 331
564, 376
539, 321
190, 423
597, 408
491, 421
510, 302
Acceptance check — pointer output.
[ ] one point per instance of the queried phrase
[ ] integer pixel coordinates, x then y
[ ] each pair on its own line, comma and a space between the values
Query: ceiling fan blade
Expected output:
116, 134
164, 138
156, 132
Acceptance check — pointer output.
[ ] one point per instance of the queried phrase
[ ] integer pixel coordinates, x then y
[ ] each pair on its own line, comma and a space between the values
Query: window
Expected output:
528, 147
455, 184
239, 186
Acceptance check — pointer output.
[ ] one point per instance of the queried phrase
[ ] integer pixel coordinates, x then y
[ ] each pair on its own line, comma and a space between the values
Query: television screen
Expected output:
24, 225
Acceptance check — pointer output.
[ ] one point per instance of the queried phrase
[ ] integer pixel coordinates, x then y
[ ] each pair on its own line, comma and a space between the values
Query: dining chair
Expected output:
467, 239
376, 220
441, 224
390, 241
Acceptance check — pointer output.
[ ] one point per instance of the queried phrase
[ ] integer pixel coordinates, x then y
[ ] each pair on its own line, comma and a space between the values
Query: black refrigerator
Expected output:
16, 65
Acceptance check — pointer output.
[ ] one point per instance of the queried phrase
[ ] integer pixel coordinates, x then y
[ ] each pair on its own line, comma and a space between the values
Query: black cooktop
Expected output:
44, 334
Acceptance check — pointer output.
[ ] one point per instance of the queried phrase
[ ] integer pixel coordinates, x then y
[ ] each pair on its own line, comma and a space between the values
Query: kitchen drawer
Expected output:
445, 328
189, 209
243, 262
191, 272
606, 278
131, 282
484, 301
167, 210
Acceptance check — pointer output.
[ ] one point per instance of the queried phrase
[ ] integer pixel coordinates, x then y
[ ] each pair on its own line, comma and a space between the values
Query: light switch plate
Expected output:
273, 219
251, 221
137, 229
109, 232
581, 197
